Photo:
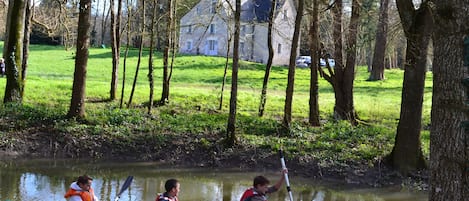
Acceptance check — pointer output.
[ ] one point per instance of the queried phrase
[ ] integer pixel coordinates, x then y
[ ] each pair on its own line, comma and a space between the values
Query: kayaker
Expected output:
172, 188
261, 188
81, 190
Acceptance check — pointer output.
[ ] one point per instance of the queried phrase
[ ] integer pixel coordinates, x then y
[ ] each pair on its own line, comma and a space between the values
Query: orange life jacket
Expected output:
85, 195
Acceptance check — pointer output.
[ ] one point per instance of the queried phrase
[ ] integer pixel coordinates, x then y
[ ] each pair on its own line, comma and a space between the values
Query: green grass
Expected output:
195, 89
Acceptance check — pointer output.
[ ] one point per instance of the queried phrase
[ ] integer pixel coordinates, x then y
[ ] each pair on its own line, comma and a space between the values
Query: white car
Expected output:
305, 61
323, 62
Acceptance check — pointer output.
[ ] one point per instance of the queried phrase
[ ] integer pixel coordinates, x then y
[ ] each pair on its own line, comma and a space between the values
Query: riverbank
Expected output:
198, 151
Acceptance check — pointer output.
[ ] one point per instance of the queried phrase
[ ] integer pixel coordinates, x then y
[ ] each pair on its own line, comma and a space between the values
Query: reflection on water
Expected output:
49, 179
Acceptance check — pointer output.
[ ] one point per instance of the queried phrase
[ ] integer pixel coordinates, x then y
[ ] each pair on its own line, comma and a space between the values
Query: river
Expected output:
47, 180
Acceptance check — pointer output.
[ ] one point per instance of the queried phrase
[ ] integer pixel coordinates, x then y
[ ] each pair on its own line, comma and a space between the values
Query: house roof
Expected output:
257, 10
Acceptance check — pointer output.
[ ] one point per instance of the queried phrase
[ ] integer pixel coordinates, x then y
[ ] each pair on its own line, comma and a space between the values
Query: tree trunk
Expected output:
165, 93
27, 34
407, 155
315, 58
231, 127
344, 76
377, 69
449, 135
13, 51
104, 22
77, 106
142, 34
126, 54
268, 67
115, 53
291, 66
228, 49
150, 58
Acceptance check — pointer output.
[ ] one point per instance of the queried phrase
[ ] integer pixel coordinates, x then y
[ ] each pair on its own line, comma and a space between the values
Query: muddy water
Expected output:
42, 180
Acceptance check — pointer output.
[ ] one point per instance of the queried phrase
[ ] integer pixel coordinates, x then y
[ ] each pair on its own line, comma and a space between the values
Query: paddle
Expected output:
126, 185
282, 160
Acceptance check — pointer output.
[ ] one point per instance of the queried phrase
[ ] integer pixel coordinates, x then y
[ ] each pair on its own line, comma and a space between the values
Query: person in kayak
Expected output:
81, 190
172, 188
261, 188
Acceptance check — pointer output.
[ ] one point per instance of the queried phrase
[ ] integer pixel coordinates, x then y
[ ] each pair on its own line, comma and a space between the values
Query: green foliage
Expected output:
193, 106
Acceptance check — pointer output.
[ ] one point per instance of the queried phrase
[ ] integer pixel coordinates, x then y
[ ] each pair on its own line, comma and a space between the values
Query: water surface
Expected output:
41, 180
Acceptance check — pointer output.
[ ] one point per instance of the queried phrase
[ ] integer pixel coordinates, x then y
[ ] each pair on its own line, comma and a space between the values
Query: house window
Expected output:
212, 28
279, 48
285, 14
241, 47
189, 45
189, 29
213, 6
211, 45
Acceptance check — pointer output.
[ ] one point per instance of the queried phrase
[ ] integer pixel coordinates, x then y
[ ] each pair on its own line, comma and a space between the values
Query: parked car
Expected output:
323, 62
305, 61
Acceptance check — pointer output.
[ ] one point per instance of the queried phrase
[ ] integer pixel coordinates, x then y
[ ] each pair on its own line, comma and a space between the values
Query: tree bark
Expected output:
142, 34
407, 155
150, 58
228, 49
231, 127
377, 69
27, 33
126, 54
449, 135
315, 58
77, 106
165, 92
115, 45
13, 51
343, 77
287, 116
268, 66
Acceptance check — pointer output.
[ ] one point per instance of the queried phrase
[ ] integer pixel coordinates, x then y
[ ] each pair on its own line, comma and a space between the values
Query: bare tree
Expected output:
342, 77
77, 105
150, 59
291, 66
115, 45
315, 58
268, 66
27, 32
407, 155
126, 53
449, 135
377, 69
13, 51
166, 72
231, 127
142, 34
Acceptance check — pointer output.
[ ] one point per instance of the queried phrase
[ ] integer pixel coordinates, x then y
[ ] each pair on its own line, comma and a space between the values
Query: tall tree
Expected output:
77, 105
13, 51
27, 34
315, 58
291, 66
417, 24
449, 135
231, 127
104, 18
268, 66
377, 67
115, 44
168, 41
140, 51
151, 81
126, 52
342, 77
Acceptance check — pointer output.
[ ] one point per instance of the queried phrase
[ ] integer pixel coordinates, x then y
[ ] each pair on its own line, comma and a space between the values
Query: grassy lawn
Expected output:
194, 93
